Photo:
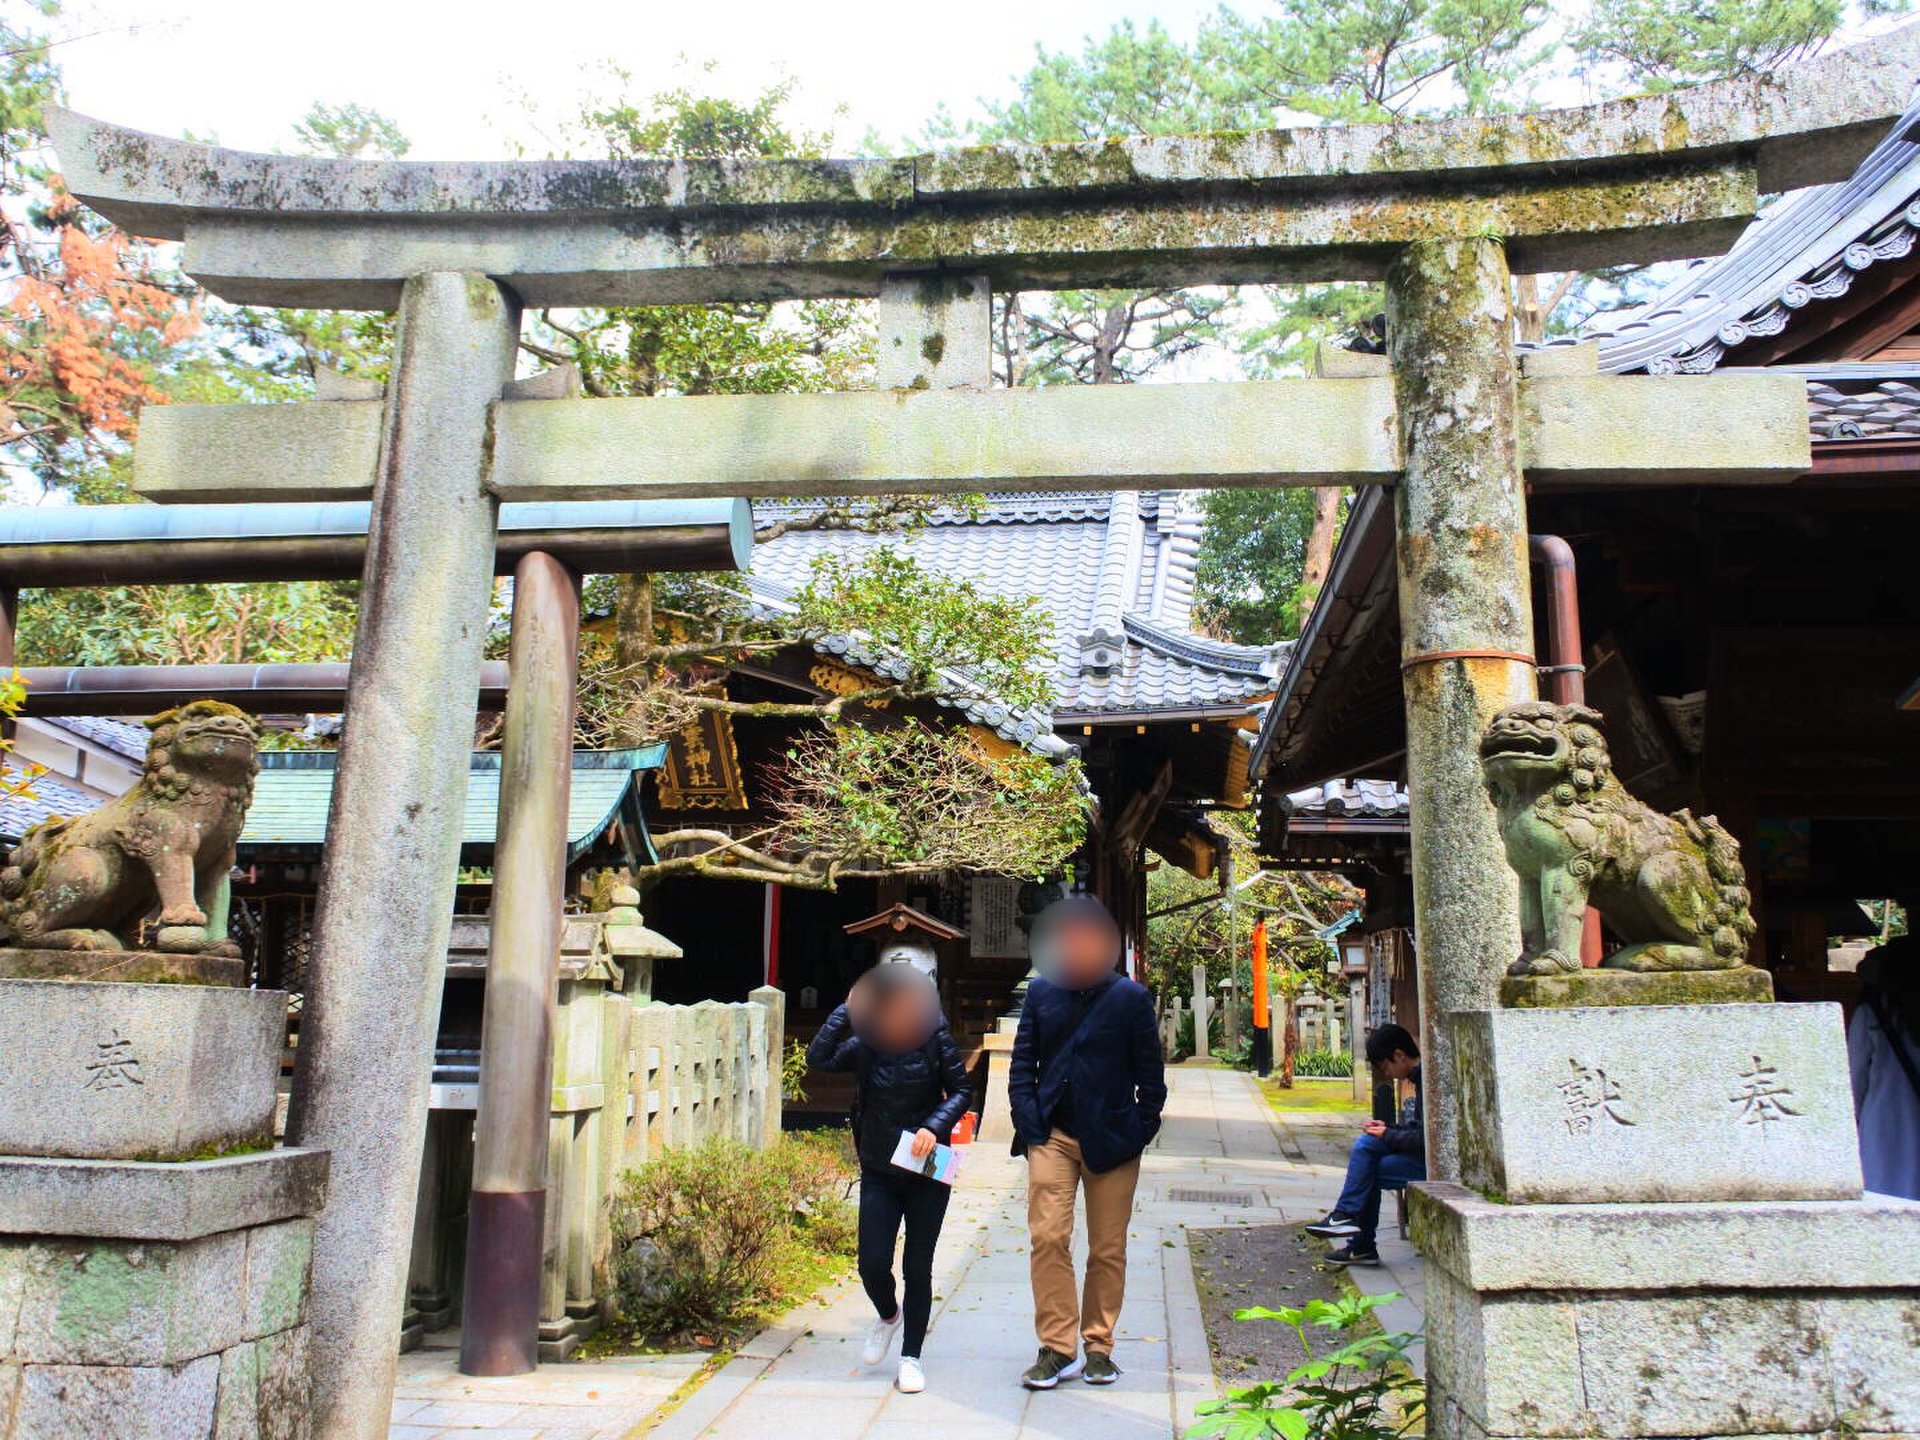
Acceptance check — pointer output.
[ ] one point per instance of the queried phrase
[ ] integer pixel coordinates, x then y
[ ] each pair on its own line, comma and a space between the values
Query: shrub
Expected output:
706, 1236
1326, 1064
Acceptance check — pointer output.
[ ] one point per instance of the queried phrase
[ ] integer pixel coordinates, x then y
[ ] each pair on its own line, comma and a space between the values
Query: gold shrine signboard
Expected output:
703, 767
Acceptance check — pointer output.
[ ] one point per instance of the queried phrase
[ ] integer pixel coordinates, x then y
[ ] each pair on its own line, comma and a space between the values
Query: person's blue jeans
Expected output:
1371, 1169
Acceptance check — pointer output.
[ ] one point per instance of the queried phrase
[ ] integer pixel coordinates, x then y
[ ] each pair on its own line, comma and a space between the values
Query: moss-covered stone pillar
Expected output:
1466, 627
393, 832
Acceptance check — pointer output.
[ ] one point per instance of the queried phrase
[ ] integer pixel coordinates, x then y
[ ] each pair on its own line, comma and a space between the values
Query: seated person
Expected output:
1385, 1157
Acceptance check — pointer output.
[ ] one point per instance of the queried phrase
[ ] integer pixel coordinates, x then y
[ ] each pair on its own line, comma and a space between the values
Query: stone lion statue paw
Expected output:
1546, 962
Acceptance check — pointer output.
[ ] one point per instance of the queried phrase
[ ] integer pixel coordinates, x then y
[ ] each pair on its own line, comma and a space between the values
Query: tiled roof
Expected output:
1348, 800
295, 788
20, 813
1114, 572
122, 737
1889, 407
1806, 248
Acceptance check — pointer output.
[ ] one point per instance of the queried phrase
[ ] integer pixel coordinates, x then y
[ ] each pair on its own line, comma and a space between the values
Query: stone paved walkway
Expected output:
1222, 1159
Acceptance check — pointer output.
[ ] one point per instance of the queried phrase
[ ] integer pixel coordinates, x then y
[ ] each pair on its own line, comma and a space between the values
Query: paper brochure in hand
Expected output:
939, 1163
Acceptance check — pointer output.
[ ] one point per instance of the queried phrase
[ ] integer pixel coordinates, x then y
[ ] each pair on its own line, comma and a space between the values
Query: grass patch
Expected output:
1314, 1097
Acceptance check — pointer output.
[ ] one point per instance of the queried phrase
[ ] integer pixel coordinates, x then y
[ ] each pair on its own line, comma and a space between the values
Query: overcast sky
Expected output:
243, 71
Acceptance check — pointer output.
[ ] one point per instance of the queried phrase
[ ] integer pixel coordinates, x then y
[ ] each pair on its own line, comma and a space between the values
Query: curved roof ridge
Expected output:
1808, 246
1114, 587
1224, 656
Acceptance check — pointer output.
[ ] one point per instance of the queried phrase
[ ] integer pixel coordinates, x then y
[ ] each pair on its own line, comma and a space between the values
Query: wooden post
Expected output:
501, 1318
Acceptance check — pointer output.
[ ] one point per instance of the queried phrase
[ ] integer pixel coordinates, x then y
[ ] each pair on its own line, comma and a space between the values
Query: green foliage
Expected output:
938, 633
1324, 1064
1247, 582
704, 1235
861, 799
793, 1073
1359, 1389
350, 132
1190, 922
1659, 45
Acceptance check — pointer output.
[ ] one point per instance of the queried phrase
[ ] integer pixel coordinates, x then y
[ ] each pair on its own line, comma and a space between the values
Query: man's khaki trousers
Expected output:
1064, 1316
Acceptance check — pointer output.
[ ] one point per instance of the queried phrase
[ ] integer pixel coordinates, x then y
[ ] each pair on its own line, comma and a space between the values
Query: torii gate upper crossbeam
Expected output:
1663, 177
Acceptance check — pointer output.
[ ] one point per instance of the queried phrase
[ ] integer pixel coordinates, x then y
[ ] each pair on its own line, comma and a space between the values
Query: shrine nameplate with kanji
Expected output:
1657, 1103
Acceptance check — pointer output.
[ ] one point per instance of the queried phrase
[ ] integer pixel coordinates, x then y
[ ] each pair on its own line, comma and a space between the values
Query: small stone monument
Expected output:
154, 1245
1660, 1229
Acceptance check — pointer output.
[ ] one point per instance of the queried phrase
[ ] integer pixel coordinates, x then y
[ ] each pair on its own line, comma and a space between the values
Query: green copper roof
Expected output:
295, 790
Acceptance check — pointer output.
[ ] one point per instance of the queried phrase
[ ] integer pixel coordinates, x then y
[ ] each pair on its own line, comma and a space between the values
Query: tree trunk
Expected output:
633, 620
1320, 542
1289, 1043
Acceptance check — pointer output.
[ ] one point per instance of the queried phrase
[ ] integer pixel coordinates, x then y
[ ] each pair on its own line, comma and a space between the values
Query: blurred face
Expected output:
894, 1008
1399, 1065
1075, 943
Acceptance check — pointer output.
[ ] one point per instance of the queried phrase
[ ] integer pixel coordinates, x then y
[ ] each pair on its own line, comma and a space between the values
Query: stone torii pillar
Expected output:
1466, 623
1671, 176
393, 832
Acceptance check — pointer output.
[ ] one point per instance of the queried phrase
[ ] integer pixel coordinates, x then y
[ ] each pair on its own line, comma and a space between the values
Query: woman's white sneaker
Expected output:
880, 1339
911, 1379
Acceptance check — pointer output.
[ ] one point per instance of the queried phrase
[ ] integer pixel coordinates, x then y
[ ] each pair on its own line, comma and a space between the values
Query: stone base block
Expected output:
1746, 985
141, 1200
201, 1336
108, 1071
560, 1338
1656, 1103
123, 967
1616, 1321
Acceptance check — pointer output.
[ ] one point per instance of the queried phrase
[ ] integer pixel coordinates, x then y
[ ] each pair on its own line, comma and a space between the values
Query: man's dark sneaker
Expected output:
1335, 1227
1354, 1255
1100, 1369
1050, 1369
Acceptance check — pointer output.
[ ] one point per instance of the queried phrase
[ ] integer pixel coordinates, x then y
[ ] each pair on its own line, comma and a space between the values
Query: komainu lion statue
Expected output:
87, 882
1670, 886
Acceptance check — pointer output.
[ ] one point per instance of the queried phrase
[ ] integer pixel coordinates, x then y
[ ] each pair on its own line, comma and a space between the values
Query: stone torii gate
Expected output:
1442, 211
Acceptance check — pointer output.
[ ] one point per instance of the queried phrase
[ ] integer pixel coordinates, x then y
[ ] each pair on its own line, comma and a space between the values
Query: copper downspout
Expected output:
1564, 669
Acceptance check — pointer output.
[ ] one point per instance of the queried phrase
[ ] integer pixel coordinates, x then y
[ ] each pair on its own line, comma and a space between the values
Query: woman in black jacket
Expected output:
909, 1077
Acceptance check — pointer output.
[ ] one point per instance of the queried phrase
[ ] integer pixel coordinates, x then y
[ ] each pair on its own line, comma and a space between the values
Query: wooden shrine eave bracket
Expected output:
1739, 428
1656, 178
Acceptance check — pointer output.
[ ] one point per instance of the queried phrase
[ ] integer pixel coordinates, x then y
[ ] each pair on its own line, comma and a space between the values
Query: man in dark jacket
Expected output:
1087, 1087
1385, 1157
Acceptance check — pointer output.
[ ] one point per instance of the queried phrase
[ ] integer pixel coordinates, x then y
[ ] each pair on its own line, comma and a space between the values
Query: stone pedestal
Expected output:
137, 1072
1656, 1103
1736, 1318
1663, 1233
158, 1300
154, 1248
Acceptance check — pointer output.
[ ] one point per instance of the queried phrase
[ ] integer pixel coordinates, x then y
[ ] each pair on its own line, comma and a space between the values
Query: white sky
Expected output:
243, 71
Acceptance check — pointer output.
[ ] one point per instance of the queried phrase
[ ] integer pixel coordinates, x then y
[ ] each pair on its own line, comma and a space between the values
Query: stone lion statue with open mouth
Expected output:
1671, 886
165, 846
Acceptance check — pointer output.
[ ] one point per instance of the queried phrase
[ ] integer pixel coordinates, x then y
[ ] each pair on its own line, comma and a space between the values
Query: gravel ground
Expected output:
1240, 1265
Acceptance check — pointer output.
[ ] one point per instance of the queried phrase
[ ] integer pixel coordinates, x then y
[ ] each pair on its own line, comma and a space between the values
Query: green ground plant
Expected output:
1323, 1064
714, 1239
1359, 1388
